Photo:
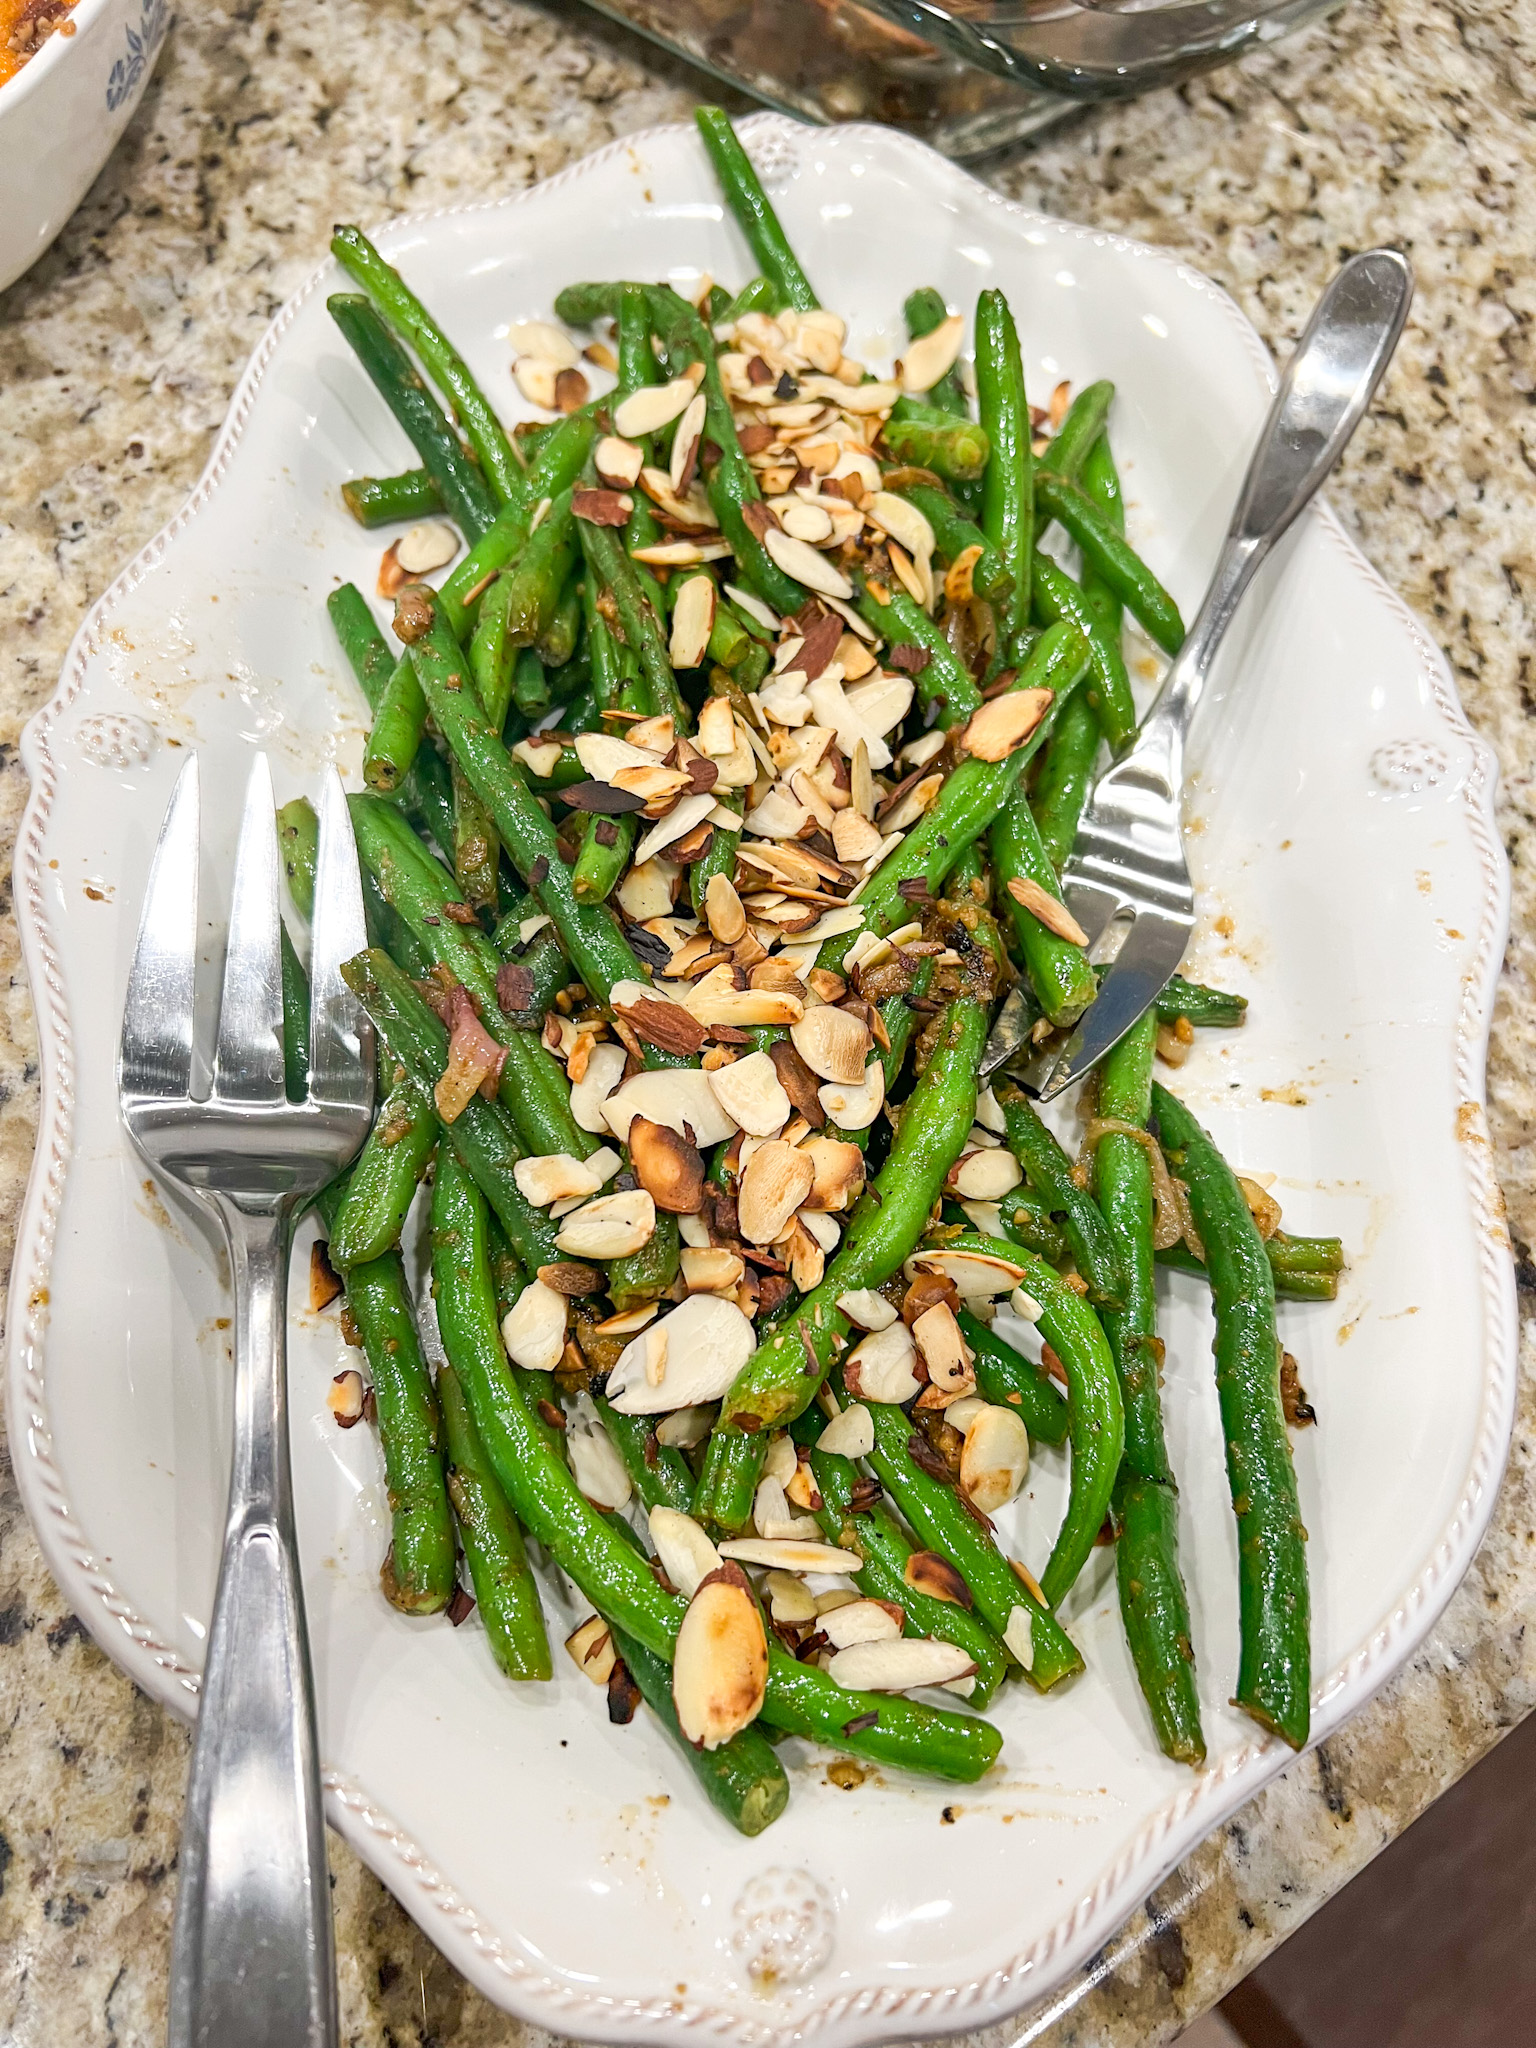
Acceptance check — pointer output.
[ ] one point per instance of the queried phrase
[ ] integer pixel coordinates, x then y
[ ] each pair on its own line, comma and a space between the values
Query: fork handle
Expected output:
251, 1959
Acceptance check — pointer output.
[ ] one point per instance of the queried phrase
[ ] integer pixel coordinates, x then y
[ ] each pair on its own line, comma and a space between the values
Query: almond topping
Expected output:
849, 1435
618, 462
997, 728
533, 1329
833, 1043
669, 1169
591, 1649
693, 617
995, 1460
709, 1340
861, 1621
986, 1175
749, 1090
651, 408
937, 1336
602, 508
777, 1180
685, 1551
1050, 910
720, 1664
925, 1571
712, 1269
933, 355
899, 1665
881, 1367
344, 1397
611, 1227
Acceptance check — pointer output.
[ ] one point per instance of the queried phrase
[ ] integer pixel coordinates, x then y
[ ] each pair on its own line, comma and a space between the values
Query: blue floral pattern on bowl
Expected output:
143, 42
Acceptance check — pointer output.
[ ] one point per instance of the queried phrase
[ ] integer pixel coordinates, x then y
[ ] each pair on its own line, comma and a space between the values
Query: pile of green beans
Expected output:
487, 814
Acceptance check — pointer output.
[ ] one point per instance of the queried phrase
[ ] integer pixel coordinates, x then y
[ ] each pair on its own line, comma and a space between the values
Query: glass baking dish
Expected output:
966, 78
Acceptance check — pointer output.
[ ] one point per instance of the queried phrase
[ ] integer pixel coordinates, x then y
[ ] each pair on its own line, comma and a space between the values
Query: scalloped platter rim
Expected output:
1352, 884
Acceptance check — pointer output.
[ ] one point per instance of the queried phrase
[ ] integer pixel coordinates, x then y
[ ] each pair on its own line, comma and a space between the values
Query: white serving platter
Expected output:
1353, 888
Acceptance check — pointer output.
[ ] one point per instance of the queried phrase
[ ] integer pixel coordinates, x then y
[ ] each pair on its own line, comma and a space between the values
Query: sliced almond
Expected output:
771, 1516
1005, 723
646, 891
651, 408
860, 1621
839, 1170
628, 1322
979, 1276
784, 1555
995, 1460
945, 1353
685, 1428
833, 1043
987, 1175
806, 522
708, 1342
802, 1253
539, 757
693, 619
681, 554
536, 378
533, 1329
687, 1555
777, 1180
849, 1435
788, 1600
711, 1269
556, 1176
926, 1571
961, 1414
1019, 1637
880, 1368
604, 1071
932, 355
591, 1649
720, 1663
670, 1170
807, 565
596, 1466
345, 1396
543, 338
854, 837
867, 1309
899, 1665
800, 1488
684, 815
1050, 910
618, 462
854, 1108
655, 785
603, 754
610, 1228
750, 1092
903, 522
716, 735
753, 606
722, 907
685, 443
423, 548
672, 1096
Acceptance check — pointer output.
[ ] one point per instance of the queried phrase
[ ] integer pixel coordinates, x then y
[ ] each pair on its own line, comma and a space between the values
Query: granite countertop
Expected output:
1406, 123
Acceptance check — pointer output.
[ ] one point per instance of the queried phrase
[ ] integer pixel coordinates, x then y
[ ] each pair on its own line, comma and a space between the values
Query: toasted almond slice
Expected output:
716, 734
753, 606
708, 1342
684, 1095
854, 837
722, 907
423, 548
543, 338
839, 1167
1005, 723
777, 1180
881, 702
986, 1175
854, 1108
857, 398
833, 1043
784, 1555
806, 522
667, 1166
603, 754
801, 1251
685, 442
937, 1336
646, 891
693, 618
849, 1435
903, 522
682, 554
880, 1368
610, 1228
1050, 910
743, 1008
556, 1176
687, 812
900, 1664
771, 1516
979, 1276
918, 801
989, 1112
933, 355
655, 784
539, 757
750, 1092
591, 1649
867, 1309
685, 1428
861, 1621
533, 1329
536, 378
720, 1664
618, 462
711, 1269
806, 564
627, 1323
788, 1600
651, 408
1019, 1636
995, 1459
687, 1555
604, 1071
345, 1396
596, 1466
926, 1571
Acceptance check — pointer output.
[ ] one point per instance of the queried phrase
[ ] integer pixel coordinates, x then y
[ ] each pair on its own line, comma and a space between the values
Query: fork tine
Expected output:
1153, 948
248, 1064
341, 1037
155, 1053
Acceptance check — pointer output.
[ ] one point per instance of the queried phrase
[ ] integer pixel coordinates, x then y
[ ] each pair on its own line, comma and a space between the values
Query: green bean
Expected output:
1200, 1004
457, 481
538, 576
557, 643
531, 696
943, 678
944, 1524
659, 1474
743, 1779
1304, 1268
506, 1591
590, 933
924, 310
954, 533
1063, 982
1054, 597
538, 1389
554, 469
1273, 1681
482, 1136
492, 656
543, 956
1101, 480
295, 1020
382, 1185
1026, 1218
447, 368
611, 566
927, 437
606, 845
757, 296
298, 841
1154, 1606
872, 1530
1007, 1377
1049, 1172
646, 1275
476, 849
1115, 560
1095, 1411
1080, 429
970, 799
1066, 776
398, 725
417, 1575
386, 500
754, 211
533, 1086
425, 793
1007, 491
718, 858
782, 1375
617, 1581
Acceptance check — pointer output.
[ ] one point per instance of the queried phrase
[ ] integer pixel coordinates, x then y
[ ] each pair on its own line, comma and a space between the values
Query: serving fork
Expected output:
1128, 856
252, 1963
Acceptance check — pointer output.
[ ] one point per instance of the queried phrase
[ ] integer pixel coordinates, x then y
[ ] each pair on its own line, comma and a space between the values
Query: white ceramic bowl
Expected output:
61, 116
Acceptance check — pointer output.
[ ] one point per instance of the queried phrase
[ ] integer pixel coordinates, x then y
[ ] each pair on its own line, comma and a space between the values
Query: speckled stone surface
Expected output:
1406, 122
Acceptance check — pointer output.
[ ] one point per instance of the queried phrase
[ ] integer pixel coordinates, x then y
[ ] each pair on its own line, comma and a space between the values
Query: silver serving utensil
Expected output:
1128, 856
252, 1963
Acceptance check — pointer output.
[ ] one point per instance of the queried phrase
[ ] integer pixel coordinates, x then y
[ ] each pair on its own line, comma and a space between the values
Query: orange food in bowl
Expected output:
25, 25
